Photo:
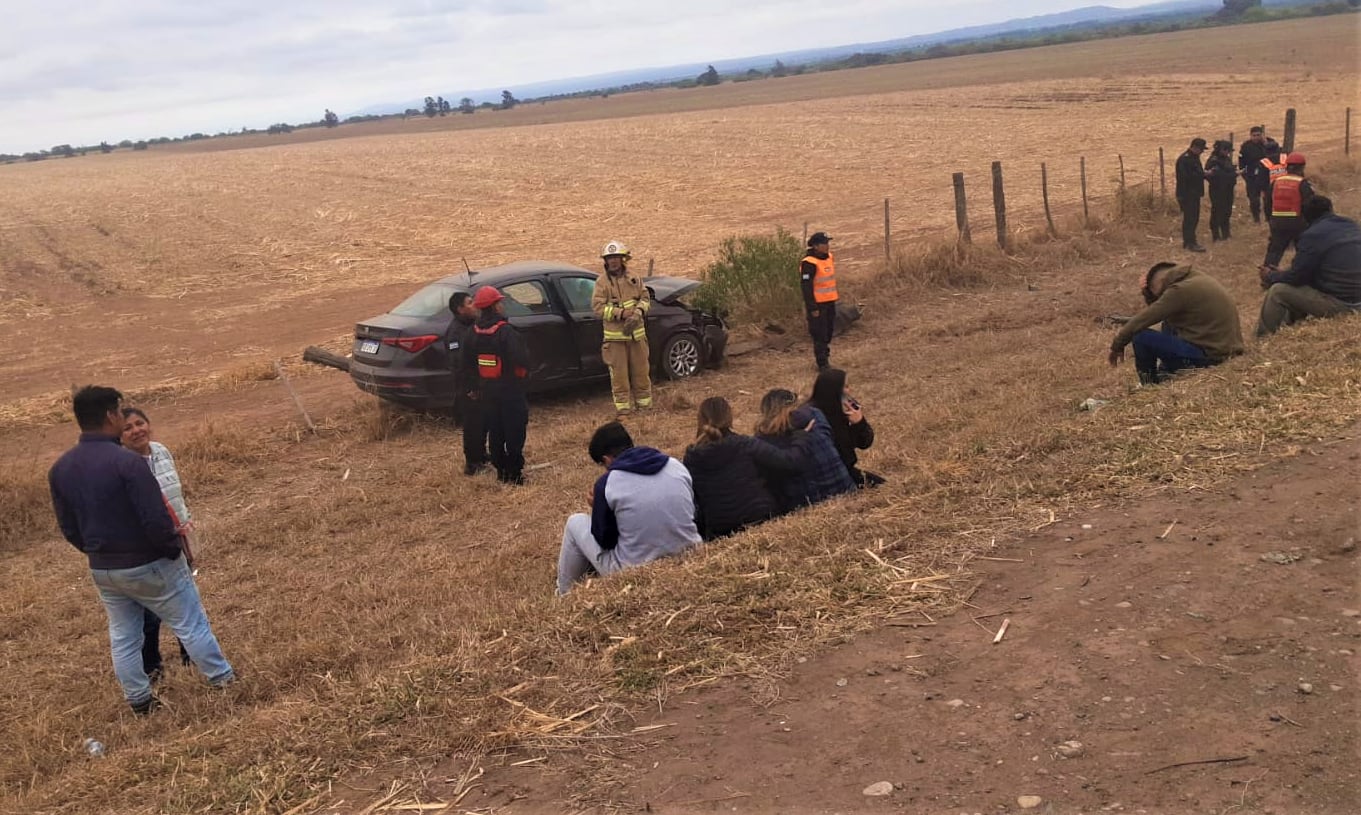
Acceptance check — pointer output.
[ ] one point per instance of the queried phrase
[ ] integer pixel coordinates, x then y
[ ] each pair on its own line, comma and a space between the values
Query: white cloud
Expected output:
146, 68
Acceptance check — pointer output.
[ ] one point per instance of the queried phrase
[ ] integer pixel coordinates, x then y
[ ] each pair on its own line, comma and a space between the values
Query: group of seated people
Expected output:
648, 505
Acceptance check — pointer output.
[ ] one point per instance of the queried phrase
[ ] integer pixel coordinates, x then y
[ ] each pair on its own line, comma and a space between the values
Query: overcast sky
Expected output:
116, 69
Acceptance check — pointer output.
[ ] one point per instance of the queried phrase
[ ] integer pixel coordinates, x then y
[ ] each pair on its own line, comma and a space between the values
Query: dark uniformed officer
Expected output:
467, 411
1190, 190
1256, 174
817, 278
1223, 177
502, 363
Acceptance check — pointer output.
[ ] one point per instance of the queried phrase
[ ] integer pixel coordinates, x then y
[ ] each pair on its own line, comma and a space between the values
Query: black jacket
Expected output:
732, 481
1223, 175
1328, 258
1250, 157
109, 505
1190, 177
458, 337
507, 344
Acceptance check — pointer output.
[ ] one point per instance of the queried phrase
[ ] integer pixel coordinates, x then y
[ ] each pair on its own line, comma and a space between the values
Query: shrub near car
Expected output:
404, 356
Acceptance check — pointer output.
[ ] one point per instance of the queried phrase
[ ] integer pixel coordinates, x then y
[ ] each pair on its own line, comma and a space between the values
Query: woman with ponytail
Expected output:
732, 472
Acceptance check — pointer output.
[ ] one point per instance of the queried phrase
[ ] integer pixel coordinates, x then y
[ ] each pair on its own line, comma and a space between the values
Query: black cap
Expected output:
1257, 129
1198, 142
819, 237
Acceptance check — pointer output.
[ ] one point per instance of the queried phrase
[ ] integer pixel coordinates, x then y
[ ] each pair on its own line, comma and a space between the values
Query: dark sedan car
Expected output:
403, 356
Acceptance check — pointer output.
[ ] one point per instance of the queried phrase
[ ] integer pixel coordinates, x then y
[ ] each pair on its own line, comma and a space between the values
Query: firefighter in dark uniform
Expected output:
1256, 173
498, 352
1289, 193
817, 278
467, 412
1190, 191
1223, 177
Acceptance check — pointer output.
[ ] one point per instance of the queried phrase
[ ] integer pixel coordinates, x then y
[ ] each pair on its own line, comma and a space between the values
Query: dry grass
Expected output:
389, 615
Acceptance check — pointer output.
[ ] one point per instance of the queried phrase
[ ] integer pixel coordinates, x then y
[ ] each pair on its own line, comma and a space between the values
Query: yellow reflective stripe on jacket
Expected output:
623, 336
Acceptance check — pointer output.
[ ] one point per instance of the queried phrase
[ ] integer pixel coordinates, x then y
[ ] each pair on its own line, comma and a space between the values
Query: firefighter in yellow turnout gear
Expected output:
621, 302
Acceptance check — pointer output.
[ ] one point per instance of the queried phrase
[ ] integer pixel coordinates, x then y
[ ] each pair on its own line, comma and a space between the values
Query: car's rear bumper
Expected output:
422, 390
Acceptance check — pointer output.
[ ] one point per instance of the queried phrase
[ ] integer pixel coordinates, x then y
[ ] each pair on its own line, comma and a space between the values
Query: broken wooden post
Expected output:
1122, 172
283, 377
1162, 172
1347, 137
1289, 145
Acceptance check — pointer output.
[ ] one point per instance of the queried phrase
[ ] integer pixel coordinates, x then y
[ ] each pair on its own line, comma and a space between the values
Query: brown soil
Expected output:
1151, 646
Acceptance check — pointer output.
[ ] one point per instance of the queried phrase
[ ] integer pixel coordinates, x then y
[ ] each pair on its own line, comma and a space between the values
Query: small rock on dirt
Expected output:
1029, 801
1070, 749
1091, 403
1350, 612
1281, 558
879, 788
955, 703
841, 683
1306, 688
1125, 604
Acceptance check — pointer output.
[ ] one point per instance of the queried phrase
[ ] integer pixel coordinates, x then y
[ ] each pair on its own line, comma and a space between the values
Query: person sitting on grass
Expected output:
1324, 279
1199, 324
824, 475
642, 509
850, 429
732, 472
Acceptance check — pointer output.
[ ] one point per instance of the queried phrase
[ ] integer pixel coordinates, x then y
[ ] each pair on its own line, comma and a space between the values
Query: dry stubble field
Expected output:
395, 618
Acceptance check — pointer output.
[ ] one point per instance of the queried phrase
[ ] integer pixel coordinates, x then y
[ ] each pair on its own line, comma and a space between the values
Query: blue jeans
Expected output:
1175, 353
167, 588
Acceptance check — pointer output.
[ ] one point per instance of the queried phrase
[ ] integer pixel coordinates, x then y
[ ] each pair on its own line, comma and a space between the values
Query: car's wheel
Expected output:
681, 356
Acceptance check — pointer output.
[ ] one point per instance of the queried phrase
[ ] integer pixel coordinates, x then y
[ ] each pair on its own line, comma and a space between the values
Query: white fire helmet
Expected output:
615, 249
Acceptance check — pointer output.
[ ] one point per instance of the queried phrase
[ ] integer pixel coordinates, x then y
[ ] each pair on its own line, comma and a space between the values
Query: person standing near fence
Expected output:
1190, 190
817, 279
1289, 194
1256, 174
621, 302
1223, 177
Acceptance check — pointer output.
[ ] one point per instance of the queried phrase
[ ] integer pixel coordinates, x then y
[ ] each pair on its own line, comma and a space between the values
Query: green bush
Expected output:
755, 279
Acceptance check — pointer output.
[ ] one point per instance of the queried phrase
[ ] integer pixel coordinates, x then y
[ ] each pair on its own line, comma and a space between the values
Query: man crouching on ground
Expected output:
1200, 324
1324, 280
642, 509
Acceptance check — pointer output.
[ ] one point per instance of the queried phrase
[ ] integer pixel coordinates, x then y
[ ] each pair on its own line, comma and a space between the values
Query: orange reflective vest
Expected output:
1274, 170
1285, 197
490, 366
824, 279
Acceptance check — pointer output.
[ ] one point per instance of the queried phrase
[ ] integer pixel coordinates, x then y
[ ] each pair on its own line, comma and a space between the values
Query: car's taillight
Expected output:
412, 345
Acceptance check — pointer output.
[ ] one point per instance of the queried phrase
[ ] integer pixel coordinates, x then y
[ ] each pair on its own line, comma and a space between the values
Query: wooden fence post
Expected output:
1347, 138
650, 261
805, 233
999, 204
1231, 139
888, 250
1162, 172
1122, 172
1082, 169
1289, 145
1044, 191
961, 209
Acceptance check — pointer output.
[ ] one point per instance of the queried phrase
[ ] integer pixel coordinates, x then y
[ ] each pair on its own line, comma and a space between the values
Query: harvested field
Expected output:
392, 620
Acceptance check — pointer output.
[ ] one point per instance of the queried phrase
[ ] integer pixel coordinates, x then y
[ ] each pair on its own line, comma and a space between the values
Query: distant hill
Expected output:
1076, 19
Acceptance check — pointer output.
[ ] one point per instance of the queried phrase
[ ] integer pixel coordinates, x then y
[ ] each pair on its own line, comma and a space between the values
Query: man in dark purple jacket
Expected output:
110, 507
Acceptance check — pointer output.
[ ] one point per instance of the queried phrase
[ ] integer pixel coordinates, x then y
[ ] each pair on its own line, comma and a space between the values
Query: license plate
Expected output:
368, 347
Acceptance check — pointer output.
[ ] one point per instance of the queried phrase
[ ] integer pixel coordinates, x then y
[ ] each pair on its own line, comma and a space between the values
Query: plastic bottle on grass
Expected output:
94, 747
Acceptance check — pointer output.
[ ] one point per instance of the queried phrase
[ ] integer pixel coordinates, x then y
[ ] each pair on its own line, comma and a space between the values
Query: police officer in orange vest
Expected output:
1289, 193
498, 352
817, 277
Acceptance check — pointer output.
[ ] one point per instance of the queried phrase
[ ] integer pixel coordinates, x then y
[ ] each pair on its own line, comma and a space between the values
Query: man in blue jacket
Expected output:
642, 509
110, 507
1324, 278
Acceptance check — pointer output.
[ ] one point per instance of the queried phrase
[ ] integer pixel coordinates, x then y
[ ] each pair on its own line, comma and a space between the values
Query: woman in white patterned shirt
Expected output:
137, 438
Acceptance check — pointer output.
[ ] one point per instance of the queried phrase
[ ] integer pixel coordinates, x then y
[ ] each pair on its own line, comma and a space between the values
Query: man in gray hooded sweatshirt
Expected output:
642, 509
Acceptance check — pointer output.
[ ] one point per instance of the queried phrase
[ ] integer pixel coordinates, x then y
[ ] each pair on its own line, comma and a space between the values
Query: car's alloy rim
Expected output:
684, 357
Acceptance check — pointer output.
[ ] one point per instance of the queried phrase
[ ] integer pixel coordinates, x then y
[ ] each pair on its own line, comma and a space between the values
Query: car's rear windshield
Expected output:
427, 302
